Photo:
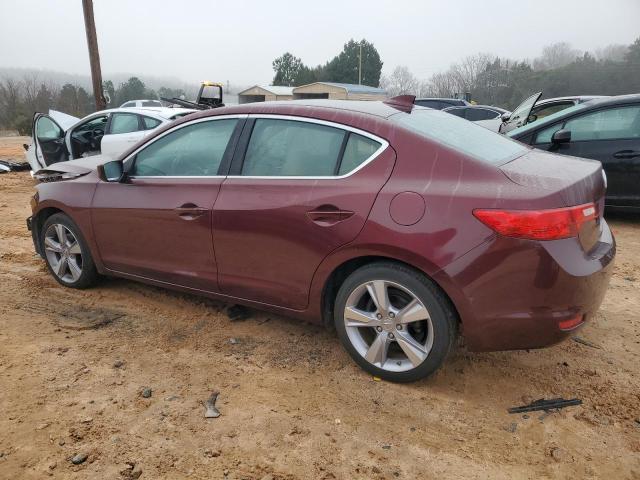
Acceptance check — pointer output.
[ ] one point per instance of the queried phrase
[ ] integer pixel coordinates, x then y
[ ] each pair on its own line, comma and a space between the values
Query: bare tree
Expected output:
555, 56
613, 52
10, 98
465, 74
400, 82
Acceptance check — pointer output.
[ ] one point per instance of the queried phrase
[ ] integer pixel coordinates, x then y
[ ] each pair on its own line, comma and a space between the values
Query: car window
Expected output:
609, 124
431, 104
546, 110
477, 114
194, 150
149, 122
292, 148
458, 112
46, 129
151, 103
356, 152
461, 135
544, 135
128, 104
521, 131
98, 123
124, 123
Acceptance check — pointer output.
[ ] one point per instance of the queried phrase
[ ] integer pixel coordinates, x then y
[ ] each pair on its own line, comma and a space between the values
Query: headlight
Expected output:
53, 176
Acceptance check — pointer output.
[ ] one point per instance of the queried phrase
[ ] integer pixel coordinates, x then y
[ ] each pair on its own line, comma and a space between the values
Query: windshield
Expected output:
461, 135
546, 120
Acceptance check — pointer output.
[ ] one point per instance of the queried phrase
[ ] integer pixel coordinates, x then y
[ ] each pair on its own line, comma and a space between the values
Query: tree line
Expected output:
21, 97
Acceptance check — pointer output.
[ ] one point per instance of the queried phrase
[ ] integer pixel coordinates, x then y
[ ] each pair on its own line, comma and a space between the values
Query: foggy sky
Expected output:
237, 40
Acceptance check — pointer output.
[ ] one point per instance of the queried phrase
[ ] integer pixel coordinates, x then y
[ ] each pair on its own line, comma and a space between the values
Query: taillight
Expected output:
550, 224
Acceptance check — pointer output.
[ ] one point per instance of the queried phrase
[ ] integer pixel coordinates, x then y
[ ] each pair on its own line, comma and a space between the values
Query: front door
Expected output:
48, 140
157, 222
301, 190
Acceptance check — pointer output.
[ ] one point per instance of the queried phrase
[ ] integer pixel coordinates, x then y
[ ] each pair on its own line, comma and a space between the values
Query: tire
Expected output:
395, 343
79, 271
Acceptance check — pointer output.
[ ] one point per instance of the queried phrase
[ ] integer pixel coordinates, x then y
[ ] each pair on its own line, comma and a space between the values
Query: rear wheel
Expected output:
66, 253
394, 322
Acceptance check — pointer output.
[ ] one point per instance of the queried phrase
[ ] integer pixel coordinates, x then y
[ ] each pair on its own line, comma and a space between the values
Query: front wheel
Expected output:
394, 322
66, 252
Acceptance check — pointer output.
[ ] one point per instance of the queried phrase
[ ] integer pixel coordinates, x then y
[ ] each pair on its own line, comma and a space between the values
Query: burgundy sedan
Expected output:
403, 226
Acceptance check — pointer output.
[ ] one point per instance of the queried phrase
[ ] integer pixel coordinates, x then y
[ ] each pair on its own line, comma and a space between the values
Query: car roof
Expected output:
487, 107
162, 112
443, 99
581, 98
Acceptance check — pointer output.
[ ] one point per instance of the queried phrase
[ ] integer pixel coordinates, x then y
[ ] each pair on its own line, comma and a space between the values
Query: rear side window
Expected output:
128, 105
356, 152
124, 123
611, 124
151, 103
477, 114
195, 150
461, 135
292, 148
432, 104
458, 112
150, 123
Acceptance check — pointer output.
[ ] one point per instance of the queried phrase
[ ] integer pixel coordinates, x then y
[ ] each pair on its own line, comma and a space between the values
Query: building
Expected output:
265, 93
338, 91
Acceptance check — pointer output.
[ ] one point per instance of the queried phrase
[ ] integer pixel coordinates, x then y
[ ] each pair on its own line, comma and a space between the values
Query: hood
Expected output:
80, 166
65, 121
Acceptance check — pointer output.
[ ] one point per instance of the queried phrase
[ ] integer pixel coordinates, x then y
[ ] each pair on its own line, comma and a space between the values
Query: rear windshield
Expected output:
461, 135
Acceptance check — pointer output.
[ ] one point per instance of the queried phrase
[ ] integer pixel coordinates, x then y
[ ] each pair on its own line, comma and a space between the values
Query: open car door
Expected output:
520, 115
49, 138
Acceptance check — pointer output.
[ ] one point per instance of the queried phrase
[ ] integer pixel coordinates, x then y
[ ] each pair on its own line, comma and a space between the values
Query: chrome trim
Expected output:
383, 146
178, 176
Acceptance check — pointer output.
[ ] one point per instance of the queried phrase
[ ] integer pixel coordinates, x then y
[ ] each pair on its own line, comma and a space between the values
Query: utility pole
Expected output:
360, 66
94, 56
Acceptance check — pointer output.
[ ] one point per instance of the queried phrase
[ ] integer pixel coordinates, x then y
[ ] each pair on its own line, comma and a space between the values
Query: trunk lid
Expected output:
575, 181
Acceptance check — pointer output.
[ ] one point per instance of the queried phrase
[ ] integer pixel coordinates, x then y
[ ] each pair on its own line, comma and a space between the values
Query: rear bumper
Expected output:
516, 294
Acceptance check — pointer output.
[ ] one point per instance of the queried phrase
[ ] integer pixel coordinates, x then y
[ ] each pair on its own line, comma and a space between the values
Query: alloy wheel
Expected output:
63, 252
388, 325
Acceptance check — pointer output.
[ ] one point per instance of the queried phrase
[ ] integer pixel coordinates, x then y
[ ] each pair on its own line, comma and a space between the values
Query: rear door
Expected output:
157, 222
611, 135
123, 130
48, 141
298, 189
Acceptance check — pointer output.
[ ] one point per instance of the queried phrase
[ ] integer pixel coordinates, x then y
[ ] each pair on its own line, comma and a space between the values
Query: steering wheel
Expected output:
95, 136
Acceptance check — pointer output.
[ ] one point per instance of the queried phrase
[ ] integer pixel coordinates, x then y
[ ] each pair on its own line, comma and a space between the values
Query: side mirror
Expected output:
111, 171
561, 136
505, 116
532, 118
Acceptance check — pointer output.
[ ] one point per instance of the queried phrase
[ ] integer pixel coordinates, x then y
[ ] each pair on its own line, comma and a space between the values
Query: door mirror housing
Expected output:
505, 116
532, 118
561, 136
111, 171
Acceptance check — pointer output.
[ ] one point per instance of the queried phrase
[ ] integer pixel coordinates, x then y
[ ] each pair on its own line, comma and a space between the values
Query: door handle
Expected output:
627, 154
327, 215
190, 211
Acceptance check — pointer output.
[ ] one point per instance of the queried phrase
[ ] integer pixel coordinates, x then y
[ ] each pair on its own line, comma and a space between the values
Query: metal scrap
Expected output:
546, 405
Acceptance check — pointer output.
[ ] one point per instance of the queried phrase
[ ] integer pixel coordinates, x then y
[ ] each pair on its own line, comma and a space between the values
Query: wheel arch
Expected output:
339, 274
39, 218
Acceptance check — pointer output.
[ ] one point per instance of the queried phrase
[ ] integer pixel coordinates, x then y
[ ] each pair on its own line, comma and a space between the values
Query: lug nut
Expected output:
399, 327
379, 329
391, 336
378, 316
392, 315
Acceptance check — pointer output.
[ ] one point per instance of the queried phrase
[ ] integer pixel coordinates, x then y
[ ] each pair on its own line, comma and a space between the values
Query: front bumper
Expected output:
518, 294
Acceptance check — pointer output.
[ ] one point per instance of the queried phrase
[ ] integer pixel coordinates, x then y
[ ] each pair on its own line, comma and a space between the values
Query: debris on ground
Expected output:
210, 406
233, 341
542, 404
10, 165
146, 392
587, 343
237, 313
79, 458
118, 364
131, 471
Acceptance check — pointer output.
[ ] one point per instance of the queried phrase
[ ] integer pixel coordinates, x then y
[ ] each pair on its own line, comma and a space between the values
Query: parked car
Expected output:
484, 115
533, 109
142, 104
403, 226
58, 137
440, 103
606, 129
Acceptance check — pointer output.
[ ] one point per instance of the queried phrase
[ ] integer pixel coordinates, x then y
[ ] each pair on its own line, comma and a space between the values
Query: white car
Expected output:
142, 104
486, 116
58, 137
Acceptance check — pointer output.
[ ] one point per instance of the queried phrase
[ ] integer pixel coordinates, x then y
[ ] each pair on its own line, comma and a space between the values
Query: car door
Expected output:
48, 141
611, 135
123, 131
298, 189
156, 223
520, 114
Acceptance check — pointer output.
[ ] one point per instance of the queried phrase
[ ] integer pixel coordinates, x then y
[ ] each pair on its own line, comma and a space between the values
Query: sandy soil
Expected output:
73, 365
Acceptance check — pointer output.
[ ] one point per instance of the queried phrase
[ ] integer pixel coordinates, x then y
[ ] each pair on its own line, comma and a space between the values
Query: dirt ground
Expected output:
73, 365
